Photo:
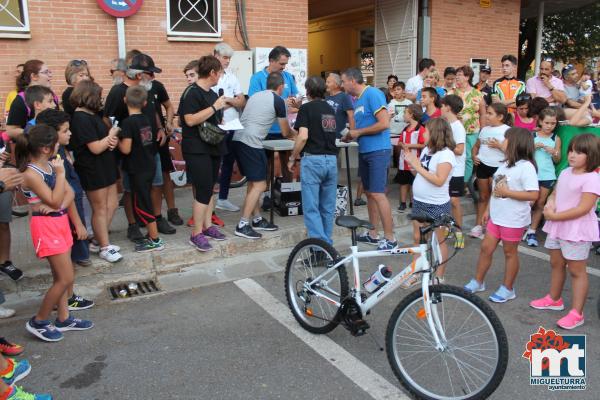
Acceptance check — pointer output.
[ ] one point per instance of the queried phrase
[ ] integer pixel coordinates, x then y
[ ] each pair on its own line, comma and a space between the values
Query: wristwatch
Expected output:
2, 186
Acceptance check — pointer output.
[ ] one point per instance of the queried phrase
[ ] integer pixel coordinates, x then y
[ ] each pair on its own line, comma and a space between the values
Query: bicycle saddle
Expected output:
350, 222
420, 218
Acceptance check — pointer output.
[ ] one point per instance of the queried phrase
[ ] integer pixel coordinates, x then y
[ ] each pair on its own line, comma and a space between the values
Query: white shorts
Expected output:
575, 251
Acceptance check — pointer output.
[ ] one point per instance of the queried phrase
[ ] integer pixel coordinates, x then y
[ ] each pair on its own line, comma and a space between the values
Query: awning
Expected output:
529, 8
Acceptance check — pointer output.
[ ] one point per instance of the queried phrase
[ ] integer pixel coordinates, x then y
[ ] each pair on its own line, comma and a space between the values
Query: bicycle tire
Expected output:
408, 376
306, 256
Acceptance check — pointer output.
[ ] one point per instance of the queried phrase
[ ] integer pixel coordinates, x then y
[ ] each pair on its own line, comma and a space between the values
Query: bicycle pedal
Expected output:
359, 327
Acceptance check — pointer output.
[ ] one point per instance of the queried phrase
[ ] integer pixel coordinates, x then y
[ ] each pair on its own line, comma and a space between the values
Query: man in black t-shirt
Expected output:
316, 126
115, 111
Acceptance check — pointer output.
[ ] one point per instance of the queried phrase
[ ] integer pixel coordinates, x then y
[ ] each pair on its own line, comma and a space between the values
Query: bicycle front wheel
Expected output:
308, 260
473, 361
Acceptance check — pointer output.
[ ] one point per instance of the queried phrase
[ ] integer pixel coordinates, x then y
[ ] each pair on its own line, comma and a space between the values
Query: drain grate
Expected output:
132, 289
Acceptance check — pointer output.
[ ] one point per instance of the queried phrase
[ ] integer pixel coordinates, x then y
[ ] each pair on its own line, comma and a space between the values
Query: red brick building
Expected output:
62, 30
337, 33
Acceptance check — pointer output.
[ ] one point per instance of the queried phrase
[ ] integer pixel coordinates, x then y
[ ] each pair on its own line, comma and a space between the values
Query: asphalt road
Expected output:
216, 342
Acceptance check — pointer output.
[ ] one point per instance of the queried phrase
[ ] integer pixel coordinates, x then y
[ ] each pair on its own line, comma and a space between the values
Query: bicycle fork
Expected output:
433, 320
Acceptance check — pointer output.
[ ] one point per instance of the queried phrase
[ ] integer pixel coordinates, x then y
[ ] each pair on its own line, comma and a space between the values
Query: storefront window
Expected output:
194, 18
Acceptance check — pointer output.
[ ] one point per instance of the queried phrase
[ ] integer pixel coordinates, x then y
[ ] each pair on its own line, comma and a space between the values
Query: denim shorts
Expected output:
372, 168
156, 181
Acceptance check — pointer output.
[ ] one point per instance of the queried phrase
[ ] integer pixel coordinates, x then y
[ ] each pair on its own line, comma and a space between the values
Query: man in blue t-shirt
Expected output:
372, 132
278, 59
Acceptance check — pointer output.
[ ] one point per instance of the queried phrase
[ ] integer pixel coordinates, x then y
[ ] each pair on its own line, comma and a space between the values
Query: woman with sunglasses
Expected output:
76, 71
523, 119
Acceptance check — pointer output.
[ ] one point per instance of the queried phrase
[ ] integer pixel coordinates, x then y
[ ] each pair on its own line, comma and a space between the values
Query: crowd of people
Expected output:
444, 135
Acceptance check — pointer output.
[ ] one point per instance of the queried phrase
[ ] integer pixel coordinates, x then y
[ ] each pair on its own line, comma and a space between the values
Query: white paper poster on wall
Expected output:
297, 64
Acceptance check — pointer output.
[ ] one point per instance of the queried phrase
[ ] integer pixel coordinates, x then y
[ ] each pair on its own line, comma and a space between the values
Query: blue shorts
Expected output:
373, 170
252, 162
156, 181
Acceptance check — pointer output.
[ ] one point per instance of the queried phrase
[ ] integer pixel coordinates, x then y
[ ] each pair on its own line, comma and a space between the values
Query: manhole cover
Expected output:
132, 289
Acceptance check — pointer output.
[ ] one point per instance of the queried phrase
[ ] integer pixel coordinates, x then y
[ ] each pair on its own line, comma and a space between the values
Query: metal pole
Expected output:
121, 36
538, 39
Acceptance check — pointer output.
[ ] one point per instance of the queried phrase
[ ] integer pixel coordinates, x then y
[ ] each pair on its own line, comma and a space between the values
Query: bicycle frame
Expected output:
418, 265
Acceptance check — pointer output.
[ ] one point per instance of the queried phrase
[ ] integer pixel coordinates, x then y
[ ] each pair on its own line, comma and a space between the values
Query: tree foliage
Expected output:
572, 35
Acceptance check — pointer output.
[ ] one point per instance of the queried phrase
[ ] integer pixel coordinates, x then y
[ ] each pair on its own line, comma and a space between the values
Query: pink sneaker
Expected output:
572, 320
546, 303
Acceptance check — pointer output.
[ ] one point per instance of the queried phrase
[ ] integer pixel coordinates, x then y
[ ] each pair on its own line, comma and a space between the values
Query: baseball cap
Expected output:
485, 68
144, 62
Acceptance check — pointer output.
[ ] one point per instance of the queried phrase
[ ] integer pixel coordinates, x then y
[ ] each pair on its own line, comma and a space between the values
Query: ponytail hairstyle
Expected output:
520, 146
440, 135
30, 67
31, 144
547, 112
502, 110
434, 94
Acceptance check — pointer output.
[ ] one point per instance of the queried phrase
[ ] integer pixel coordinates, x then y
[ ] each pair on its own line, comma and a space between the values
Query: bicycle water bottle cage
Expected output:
351, 317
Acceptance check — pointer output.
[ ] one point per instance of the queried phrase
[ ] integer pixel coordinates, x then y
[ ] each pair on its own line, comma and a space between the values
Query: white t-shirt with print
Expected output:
511, 213
460, 137
489, 156
425, 191
396, 107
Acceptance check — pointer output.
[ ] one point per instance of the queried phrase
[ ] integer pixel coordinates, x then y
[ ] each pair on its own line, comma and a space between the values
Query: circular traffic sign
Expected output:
120, 8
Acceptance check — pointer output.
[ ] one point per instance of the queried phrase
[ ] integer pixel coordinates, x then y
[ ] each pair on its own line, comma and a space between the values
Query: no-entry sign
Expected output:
120, 8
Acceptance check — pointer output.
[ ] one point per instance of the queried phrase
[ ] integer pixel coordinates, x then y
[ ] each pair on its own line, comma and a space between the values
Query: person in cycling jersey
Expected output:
506, 89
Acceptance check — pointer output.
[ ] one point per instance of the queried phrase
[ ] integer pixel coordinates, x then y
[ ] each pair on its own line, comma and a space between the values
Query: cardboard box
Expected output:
287, 197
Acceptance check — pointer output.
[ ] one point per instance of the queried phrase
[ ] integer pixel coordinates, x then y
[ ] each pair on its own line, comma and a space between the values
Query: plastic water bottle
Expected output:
378, 278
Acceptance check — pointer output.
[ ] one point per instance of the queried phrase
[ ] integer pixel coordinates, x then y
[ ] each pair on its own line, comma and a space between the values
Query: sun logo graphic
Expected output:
556, 361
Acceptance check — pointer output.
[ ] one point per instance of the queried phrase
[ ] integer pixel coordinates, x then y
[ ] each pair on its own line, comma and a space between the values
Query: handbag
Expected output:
209, 132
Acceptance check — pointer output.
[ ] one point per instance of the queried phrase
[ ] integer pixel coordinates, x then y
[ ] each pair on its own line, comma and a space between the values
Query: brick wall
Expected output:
461, 30
61, 32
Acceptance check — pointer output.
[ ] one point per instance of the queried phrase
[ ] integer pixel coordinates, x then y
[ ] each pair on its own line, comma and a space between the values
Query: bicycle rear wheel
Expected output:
309, 259
474, 360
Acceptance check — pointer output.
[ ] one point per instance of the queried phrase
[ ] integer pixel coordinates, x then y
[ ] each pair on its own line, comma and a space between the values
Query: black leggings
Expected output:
202, 172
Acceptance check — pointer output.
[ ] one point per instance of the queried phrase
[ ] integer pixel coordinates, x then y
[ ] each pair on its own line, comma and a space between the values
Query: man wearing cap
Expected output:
506, 89
230, 85
484, 85
115, 109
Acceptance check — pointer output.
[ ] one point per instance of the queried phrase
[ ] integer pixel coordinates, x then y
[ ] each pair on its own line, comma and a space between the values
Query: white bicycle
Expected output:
442, 342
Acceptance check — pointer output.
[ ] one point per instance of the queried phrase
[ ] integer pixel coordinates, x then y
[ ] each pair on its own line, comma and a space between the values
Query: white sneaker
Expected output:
6, 312
114, 247
95, 247
227, 205
110, 254
476, 232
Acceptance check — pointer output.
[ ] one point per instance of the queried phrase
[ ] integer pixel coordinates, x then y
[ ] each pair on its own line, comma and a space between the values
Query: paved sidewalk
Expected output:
178, 254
